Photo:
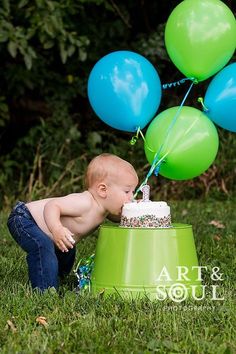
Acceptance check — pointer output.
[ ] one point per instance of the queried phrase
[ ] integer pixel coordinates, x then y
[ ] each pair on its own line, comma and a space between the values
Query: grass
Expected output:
85, 323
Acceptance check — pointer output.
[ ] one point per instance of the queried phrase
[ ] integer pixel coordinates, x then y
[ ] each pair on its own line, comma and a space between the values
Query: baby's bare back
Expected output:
83, 220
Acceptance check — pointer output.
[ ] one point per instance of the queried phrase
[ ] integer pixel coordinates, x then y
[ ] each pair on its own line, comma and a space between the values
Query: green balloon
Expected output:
200, 37
190, 143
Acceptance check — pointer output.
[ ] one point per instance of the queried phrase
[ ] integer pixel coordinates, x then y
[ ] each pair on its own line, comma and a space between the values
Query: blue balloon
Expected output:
220, 98
124, 90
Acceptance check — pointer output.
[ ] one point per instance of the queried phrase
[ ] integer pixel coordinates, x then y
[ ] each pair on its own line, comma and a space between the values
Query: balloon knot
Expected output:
133, 140
205, 109
135, 137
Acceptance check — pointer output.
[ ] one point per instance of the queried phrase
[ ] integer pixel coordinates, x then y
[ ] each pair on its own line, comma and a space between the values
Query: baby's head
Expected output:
107, 167
113, 179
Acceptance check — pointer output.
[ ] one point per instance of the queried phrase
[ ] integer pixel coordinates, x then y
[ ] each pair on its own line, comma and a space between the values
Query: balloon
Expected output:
220, 98
200, 37
190, 143
124, 90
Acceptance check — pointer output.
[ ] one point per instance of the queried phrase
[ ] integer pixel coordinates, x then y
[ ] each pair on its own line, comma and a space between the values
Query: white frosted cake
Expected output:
146, 214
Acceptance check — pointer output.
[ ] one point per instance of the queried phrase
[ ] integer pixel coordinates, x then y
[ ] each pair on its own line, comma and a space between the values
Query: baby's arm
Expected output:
73, 205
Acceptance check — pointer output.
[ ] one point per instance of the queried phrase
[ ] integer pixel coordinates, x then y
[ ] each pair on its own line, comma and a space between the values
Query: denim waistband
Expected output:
21, 209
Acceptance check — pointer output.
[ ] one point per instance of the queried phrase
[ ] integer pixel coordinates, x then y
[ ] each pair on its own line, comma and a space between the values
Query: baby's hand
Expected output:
63, 239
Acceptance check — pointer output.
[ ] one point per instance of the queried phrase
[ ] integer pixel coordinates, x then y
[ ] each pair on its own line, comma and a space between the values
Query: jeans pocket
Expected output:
14, 226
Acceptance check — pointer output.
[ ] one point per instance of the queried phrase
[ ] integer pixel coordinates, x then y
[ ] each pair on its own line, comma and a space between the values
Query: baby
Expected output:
48, 229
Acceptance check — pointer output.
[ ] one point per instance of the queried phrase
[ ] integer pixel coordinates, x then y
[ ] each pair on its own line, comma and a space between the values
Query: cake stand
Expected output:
145, 262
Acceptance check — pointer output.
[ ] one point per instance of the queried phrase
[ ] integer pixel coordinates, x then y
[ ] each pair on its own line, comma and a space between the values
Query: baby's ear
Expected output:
102, 190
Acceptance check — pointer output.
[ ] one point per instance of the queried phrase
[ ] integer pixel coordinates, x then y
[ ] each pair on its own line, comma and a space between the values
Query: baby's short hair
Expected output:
102, 166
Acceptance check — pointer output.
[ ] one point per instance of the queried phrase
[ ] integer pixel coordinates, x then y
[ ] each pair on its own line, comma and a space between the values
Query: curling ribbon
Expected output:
136, 136
83, 272
179, 82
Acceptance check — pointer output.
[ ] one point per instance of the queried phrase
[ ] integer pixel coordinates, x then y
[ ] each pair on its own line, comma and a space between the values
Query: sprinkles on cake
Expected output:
150, 221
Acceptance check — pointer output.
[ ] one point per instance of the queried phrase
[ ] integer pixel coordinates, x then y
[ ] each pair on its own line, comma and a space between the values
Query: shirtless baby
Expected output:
48, 229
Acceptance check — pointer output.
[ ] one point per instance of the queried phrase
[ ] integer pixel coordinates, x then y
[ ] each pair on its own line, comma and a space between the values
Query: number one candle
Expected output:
146, 192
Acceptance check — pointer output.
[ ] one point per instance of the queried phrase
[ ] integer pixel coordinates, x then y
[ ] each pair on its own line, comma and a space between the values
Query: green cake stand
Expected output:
145, 262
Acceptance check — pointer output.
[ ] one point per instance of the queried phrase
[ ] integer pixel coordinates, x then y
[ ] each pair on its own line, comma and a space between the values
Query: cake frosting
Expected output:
146, 214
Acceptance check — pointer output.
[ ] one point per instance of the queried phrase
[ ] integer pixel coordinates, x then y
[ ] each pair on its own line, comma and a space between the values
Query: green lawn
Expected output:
89, 324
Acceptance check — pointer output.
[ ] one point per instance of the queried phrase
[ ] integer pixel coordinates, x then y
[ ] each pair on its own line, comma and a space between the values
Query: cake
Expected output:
146, 214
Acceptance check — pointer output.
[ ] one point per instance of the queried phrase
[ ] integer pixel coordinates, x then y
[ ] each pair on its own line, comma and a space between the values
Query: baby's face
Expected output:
121, 191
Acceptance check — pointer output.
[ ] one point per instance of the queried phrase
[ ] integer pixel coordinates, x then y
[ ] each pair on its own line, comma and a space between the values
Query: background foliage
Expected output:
48, 131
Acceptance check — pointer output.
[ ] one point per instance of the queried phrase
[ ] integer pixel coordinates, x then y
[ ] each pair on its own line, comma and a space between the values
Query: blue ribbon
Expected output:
157, 161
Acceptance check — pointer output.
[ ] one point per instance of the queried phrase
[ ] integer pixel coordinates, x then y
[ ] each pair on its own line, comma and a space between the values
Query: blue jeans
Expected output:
45, 262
